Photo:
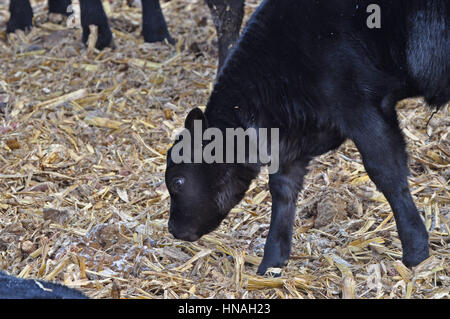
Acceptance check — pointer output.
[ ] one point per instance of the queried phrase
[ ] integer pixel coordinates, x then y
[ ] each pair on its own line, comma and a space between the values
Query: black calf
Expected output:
227, 16
18, 288
319, 73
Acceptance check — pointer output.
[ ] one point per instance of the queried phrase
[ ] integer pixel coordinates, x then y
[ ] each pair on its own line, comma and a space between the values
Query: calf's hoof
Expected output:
105, 43
151, 36
272, 269
415, 246
413, 259
269, 272
15, 24
104, 37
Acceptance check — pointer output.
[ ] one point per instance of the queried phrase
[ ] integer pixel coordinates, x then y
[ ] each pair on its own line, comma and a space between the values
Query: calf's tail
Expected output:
428, 49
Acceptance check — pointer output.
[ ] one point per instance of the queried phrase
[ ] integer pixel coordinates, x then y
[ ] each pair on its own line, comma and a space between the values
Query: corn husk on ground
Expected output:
83, 137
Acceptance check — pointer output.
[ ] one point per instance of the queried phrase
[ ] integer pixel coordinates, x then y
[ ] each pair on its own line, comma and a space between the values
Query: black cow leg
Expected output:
154, 26
59, 6
227, 16
21, 15
92, 13
381, 144
284, 188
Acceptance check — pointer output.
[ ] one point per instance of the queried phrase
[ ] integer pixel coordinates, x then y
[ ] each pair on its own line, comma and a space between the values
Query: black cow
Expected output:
322, 72
18, 288
227, 16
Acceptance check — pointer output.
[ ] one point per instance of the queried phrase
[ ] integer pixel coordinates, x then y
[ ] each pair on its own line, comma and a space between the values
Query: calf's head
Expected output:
202, 194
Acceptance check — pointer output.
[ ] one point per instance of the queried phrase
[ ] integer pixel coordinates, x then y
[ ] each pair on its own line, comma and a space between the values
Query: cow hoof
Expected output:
152, 37
23, 24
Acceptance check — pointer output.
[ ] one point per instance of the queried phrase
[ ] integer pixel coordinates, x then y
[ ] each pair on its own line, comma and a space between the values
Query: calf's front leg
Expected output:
284, 188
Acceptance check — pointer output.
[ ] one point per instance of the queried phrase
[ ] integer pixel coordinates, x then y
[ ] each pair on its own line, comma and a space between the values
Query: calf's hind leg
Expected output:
381, 144
21, 15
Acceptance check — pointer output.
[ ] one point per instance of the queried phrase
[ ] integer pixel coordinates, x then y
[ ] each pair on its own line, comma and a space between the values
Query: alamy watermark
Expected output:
238, 146
374, 19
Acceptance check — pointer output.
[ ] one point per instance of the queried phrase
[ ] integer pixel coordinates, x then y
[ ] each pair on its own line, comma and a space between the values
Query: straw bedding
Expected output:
83, 137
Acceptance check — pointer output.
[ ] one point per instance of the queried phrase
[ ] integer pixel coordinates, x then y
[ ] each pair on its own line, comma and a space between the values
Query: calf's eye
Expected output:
177, 183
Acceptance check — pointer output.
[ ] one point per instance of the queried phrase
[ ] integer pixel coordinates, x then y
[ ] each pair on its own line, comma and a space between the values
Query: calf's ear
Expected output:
195, 115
